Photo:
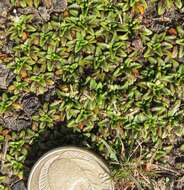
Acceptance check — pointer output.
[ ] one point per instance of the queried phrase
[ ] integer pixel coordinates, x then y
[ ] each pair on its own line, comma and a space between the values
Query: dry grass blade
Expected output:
4, 152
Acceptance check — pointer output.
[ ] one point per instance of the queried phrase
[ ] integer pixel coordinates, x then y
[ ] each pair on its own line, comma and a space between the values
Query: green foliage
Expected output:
168, 4
116, 81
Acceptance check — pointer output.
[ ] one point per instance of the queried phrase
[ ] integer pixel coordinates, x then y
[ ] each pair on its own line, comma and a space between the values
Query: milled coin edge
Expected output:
97, 158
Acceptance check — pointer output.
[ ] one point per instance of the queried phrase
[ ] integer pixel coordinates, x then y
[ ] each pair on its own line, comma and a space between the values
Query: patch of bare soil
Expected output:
157, 23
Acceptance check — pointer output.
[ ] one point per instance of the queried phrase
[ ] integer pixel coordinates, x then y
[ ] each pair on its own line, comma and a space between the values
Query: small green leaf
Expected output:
36, 3
147, 32
152, 60
180, 42
31, 28
161, 8
93, 84
29, 3
50, 66
124, 37
175, 108
23, 3
1, 138
169, 3
178, 4
132, 3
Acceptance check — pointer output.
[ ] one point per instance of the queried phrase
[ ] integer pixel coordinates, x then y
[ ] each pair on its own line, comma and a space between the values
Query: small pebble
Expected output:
30, 103
19, 186
15, 121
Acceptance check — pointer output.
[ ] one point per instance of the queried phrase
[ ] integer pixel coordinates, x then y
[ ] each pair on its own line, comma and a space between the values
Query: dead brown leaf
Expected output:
137, 43
23, 74
66, 13
148, 167
135, 72
3, 56
47, 3
140, 9
24, 36
172, 31
17, 106
175, 52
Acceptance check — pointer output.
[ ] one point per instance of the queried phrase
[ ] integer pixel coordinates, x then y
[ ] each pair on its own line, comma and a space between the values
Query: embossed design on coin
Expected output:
43, 181
70, 169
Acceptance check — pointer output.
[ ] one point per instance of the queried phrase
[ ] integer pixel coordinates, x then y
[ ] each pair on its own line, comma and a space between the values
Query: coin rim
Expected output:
53, 151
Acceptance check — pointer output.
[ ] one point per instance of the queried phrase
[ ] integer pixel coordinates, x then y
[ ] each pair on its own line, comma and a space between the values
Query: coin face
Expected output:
70, 168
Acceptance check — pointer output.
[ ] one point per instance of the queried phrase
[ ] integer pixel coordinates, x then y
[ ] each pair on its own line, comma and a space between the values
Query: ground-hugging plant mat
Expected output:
107, 75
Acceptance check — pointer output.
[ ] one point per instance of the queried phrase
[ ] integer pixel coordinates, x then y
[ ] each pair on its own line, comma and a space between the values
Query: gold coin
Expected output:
70, 168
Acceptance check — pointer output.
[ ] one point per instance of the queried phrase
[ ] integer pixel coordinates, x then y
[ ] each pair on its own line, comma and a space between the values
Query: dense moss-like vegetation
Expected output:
107, 75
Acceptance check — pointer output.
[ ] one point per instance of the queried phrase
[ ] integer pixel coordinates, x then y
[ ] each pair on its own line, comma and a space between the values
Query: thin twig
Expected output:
120, 19
5, 149
167, 169
139, 145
